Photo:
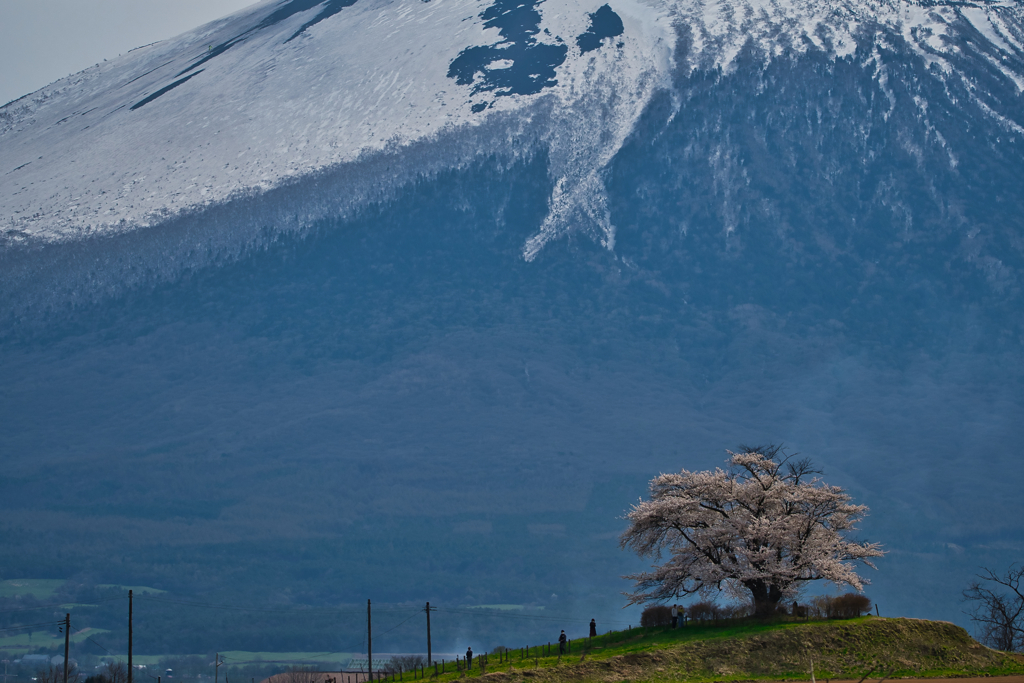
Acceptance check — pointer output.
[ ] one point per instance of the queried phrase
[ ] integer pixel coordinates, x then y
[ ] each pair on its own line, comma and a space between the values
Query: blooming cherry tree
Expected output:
762, 528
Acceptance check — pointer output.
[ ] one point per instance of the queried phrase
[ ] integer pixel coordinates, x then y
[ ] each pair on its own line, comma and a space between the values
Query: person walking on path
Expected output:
561, 643
469, 658
593, 629
675, 616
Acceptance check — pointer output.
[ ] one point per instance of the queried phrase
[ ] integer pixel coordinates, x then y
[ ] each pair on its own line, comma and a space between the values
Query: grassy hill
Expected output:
783, 651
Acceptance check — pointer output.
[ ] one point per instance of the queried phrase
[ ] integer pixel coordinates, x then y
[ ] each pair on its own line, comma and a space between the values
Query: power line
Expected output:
299, 609
415, 614
89, 638
60, 604
27, 626
322, 655
510, 614
324, 611
276, 610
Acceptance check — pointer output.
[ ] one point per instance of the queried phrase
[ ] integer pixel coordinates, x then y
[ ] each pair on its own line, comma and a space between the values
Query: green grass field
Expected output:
731, 651
750, 651
41, 589
47, 637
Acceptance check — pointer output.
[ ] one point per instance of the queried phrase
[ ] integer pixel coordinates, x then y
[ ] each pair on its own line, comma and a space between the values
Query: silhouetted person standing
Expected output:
561, 643
469, 658
593, 628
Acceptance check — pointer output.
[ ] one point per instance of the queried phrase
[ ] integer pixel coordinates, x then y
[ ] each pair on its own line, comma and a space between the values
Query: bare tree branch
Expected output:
303, 674
997, 608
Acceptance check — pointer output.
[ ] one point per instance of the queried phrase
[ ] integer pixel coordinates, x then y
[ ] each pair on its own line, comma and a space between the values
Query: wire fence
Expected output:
396, 618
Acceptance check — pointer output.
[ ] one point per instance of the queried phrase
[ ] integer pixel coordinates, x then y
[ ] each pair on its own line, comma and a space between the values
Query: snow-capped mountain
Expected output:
290, 89
465, 274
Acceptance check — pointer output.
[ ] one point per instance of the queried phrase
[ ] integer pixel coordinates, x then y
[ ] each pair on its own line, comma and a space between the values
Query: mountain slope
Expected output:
474, 338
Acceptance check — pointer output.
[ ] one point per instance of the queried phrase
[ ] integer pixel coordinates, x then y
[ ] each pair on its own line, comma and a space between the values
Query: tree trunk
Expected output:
766, 598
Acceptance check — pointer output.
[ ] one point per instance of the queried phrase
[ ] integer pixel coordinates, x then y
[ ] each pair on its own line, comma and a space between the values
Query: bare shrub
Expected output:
402, 663
656, 615
54, 673
740, 611
303, 674
845, 606
820, 607
998, 608
115, 672
705, 610
850, 605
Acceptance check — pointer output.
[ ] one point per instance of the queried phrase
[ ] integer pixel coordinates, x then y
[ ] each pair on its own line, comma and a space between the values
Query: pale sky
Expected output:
43, 40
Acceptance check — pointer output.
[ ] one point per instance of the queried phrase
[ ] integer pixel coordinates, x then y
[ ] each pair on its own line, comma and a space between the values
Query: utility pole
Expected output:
129, 636
428, 610
216, 667
369, 643
67, 640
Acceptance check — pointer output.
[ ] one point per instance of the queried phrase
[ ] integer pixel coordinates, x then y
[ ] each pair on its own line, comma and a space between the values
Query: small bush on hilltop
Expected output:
656, 615
852, 605
740, 611
845, 606
704, 611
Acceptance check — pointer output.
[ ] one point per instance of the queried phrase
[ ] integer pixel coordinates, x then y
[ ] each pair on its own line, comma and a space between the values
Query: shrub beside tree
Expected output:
704, 610
845, 606
656, 615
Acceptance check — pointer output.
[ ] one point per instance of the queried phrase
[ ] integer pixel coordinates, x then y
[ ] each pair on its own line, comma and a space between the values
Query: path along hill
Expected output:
878, 648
